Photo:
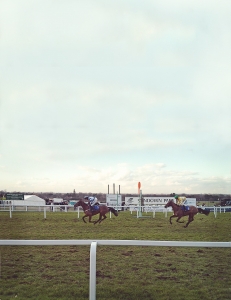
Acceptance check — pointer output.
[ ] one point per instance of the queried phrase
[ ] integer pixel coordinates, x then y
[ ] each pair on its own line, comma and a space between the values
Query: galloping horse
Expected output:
103, 209
178, 212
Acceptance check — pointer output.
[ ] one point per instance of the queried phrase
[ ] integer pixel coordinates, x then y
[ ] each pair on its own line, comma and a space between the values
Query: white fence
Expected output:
93, 247
70, 208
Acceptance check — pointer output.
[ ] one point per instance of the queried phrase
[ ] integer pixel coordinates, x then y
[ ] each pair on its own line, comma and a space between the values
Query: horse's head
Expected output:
77, 204
81, 203
168, 204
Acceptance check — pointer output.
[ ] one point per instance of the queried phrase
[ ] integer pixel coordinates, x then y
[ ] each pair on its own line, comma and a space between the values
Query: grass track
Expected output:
62, 272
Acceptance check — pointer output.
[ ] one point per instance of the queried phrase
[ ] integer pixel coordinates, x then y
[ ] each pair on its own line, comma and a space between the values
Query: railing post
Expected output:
45, 210
215, 211
10, 212
92, 282
166, 212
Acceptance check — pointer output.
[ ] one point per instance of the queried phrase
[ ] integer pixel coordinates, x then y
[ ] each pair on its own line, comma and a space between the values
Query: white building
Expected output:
57, 200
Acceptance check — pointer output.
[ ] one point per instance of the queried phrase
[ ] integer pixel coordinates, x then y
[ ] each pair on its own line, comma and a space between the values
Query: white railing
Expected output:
93, 247
27, 208
137, 209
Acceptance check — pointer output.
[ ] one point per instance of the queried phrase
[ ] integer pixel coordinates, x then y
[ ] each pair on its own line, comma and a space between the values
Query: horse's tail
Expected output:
203, 211
113, 211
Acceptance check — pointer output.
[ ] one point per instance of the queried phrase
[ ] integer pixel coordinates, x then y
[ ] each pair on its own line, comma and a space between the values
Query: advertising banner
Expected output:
13, 196
191, 202
114, 200
149, 201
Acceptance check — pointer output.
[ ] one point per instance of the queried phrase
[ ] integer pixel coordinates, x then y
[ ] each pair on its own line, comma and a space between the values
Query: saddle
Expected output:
94, 208
185, 207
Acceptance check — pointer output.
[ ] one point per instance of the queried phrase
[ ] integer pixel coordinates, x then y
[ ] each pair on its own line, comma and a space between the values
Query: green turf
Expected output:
62, 272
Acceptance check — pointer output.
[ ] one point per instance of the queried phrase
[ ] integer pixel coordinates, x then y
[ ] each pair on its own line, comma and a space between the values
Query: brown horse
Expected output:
178, 212
103, 209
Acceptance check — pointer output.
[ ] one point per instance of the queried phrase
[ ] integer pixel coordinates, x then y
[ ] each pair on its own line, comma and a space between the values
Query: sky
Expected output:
96, 93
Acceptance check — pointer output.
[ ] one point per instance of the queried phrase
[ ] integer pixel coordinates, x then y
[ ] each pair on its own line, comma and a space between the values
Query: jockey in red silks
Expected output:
91, 202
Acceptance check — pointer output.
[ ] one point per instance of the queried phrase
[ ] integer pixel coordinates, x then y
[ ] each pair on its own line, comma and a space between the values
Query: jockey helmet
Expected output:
86, 197
176, 197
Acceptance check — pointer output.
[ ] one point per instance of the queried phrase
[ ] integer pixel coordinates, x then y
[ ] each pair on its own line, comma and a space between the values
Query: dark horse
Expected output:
178, 212
103, 209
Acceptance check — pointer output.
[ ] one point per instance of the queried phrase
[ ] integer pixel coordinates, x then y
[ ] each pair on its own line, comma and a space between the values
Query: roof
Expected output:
34, 198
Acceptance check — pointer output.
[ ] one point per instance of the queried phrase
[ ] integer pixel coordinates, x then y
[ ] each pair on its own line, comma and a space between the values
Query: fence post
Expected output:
78, 212
153, 212
45, 212
92, 283
166, 212
215, 211
10, 212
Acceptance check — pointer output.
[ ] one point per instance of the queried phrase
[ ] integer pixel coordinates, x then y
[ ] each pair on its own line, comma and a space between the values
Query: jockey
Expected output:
181, 201
92, 201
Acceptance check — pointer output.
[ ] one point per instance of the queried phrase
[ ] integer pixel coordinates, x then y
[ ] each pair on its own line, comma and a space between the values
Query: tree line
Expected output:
102, 196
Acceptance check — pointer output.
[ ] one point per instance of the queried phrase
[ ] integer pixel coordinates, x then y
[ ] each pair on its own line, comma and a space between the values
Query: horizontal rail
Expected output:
93, 248
113, 243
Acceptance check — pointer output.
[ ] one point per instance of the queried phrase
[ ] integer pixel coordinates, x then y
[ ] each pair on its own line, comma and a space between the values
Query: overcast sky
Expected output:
96, 92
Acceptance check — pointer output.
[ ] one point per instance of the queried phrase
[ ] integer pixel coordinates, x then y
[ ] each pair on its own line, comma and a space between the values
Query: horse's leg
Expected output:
105, 217
90, 221
193, 217
170, 219
100, 217
179, 219
83, 218
190, 219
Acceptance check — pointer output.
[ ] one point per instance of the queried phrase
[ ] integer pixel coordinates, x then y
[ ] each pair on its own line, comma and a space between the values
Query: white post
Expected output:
166, 212
66, 208
10, 212
140, 207
92, 283
154, 213
78, 212
110, 214
45, 212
